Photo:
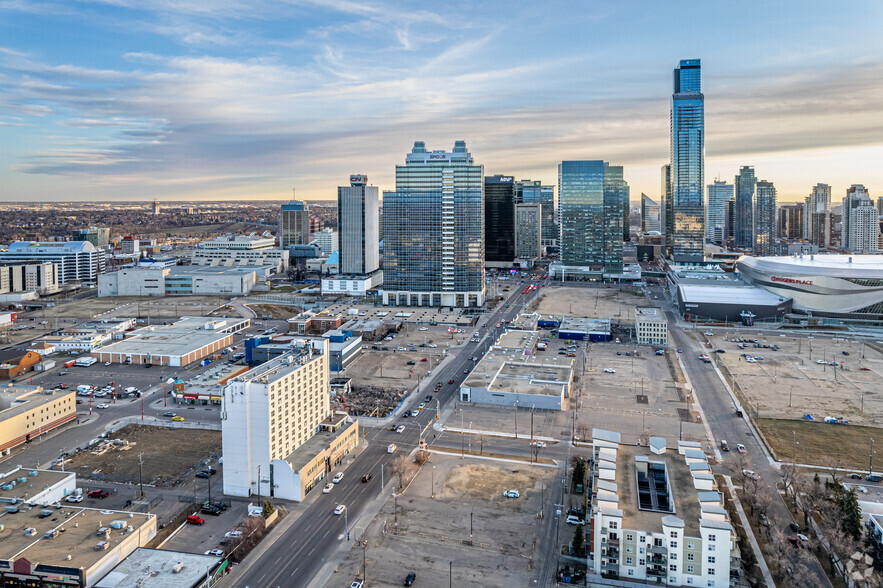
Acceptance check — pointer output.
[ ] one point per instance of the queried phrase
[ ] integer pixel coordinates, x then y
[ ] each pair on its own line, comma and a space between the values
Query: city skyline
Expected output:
245, 100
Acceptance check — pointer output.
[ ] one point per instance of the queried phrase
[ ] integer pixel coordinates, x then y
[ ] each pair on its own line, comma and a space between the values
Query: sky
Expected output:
248, 99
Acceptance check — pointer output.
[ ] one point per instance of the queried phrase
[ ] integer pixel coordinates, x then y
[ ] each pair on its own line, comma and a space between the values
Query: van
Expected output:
724, 446
131, 390
392, 448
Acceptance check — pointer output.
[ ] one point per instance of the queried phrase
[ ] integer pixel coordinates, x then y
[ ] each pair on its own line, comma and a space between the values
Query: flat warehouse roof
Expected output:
32, 484
531, 378
729, 295
164, 341
155, 568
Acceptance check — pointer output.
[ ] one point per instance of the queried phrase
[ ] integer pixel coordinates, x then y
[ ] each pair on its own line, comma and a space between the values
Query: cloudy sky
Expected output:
222, 99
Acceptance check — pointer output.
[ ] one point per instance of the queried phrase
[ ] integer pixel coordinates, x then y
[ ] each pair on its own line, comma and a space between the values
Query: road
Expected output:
296, 557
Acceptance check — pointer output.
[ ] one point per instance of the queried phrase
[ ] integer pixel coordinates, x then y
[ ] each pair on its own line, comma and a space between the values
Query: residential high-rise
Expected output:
590, 201
269, 414
817, 201
688, 163
745, 185
666, 209
718, 194
98, 236
764, 219
791, 217
859, 221
499, 221
433, 230
528, 231
358, 221
730, 220
294, 224
880, 206
650, 220
530, 192
327, 240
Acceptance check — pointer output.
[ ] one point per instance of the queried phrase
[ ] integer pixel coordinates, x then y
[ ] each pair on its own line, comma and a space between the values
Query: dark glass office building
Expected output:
746, 184
688, 163
499, 221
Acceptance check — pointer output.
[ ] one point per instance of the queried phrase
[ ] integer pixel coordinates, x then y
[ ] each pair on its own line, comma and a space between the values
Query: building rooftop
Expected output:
531, 378
156, 568
587, 325
215, 270
316, 444
26, 247
164, 340
726, 294
524, 322
35, 482
518, 340
79, 537
838, 266
15, 400
304, 351
650, 313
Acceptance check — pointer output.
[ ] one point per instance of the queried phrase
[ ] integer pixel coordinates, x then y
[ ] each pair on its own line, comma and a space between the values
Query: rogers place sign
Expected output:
791, 281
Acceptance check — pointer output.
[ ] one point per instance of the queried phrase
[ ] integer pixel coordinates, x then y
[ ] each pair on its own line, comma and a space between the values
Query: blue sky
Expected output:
190, 100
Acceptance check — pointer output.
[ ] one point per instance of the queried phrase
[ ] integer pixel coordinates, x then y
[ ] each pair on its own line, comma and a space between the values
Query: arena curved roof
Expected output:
834, 266
51, 247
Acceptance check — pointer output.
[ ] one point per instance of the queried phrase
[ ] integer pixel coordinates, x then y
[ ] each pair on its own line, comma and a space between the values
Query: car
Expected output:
862, 489
340, 509
235, 534
406, 414
202, 475
834, 363
450, 381
428, 397
820, 361
327, 488
845, 352
337, 477
366, 478
357, 584
855, 476
539, 444
169, 414
874, 478
412, 363
148, 365
740, 448
609, 371
424, 359
750, 474
511, 494
575, 520
865, 369
210, 471
433, 345
409, 579
221, 505
465, 371
421, 405
195, 519
794, 527
103, 406
719, 351
210, 509
74, 498
106, 363
680, 350
424, 328
99, 493
709, 334
400, 429
215, 552
178, 419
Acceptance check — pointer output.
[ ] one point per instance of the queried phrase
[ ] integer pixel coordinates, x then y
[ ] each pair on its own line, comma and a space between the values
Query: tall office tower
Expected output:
730, 220
745, 185
649, 214
294, 224
791, 218
688, 163
156, 207
358, 223
98, 236
859, 221
666, 210
764, 218
880, 206
590, 197
499, 221
817, 201
528, 231
433, 230
530, 192
718, 194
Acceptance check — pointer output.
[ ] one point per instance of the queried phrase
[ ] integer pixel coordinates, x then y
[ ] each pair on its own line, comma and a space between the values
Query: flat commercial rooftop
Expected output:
32, 485
15, 400
584, 325
155, 568
531, 378
683, 493
648, 313
78, 539
725, 294
313, 446
164, 340
518, 340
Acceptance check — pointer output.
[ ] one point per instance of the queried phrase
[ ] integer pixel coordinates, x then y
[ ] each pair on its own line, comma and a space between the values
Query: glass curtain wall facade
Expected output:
746, 183
688, 162
590, 200
499, 221
718, 194
534, 192
764, 219
433, 230
294, 225
667, 207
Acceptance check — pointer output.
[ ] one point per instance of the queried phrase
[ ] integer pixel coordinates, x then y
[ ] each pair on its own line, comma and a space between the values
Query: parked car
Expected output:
74, 498
215, 552
357, 584
794, 527
103, 406
99, 493
511, 494
202, 475
409, 579
874, 478
210, 510
855, 476
609, 371
575, 520
210, 471
195, 519
740, 448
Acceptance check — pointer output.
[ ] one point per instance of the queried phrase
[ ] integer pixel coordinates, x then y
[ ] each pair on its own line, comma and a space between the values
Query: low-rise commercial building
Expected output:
582, 329
161, 568
35, 487
352, 285
83, 340
179, 344
181, 281
14, 363
650, 326
657, 515
77, 261
26, 412
343, 348
314, 322
280, 437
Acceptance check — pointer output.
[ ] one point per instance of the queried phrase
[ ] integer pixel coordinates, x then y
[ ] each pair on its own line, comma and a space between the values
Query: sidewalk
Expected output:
761, 562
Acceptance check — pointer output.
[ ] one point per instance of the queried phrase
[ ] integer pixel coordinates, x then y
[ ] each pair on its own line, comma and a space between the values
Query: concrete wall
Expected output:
484, 396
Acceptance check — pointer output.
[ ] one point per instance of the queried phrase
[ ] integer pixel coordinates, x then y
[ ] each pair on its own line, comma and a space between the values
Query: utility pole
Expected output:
871, 457
140, 472
516, 419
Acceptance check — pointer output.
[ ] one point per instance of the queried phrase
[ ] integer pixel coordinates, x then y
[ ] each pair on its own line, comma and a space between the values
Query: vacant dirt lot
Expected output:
487, 483
843, 446
167, 454
276, 312
589, 302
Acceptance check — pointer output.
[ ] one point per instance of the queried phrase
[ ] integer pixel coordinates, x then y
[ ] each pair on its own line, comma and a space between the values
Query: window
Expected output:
673, 534
628, 561
641, 538
710, 559
689, 557
615, 525
689, 580
672, 567
711, 537
710, 572
690, 545
689, 569
631, 571
628, 548
711, 547
629, 537
642, 562
673, 556
673, 544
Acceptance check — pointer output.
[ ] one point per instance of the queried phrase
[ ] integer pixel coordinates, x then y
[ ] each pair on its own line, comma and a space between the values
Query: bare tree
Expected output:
583, 431
482, 439
833, 463
788, 473
404, 468
421, 457
810, 498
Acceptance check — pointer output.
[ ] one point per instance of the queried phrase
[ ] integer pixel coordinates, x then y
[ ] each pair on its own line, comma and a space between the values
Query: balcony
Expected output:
657, 559
657, 549
657, 572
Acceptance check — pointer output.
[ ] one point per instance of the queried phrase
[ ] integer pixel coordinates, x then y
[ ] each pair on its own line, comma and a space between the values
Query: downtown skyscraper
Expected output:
687, 164
718, 194
764, 219
534, 192
591, 196
746, 183
433, 230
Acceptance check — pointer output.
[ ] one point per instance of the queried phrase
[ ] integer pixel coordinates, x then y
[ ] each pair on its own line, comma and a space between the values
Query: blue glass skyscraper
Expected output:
687, 163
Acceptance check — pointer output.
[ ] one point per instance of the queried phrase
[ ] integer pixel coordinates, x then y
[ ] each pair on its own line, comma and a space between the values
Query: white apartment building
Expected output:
38, 276
651, 327
657, 516
327, 240
279, 435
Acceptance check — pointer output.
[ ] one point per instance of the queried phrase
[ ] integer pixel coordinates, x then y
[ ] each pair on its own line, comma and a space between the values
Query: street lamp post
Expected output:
433, 481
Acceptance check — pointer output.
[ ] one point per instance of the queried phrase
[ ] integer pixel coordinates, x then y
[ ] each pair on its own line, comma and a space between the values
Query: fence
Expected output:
154, 422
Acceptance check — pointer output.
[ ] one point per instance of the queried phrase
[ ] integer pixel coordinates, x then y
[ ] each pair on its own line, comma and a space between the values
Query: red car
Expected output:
195, 519
98, 494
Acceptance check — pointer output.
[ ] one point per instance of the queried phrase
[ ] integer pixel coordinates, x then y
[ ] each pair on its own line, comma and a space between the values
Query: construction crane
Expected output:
254, 218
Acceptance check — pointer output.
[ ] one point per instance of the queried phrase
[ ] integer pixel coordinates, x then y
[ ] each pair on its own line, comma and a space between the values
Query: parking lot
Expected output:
588, 301
429, 535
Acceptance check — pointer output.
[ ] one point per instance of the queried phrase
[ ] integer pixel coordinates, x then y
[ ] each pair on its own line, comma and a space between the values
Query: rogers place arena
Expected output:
844, 286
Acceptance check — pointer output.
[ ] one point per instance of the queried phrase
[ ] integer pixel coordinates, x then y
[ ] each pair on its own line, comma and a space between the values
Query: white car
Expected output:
750, 474
511, 494
820, 361
337, 477
539, 444
433, 345
106, 363
424, 328
574, 520
340, 509
400, 429
103, 406
215, 552
327, 488
740, 448
74, 498
862, 489
709, 334
609, 371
